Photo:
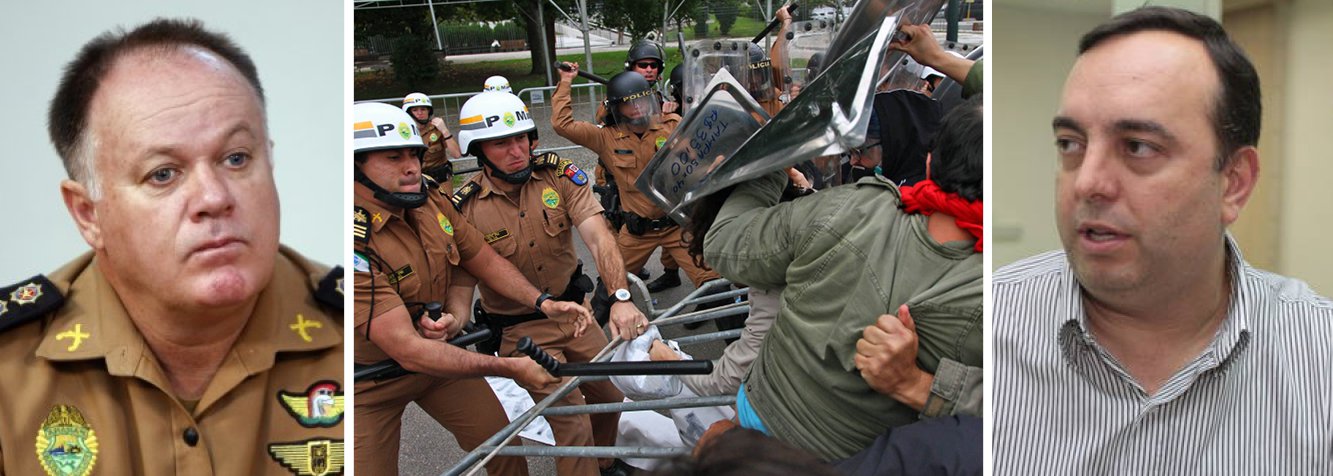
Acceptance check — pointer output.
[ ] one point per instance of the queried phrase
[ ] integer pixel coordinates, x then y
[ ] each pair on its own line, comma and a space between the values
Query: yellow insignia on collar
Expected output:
26, 294
376, 218
550, 198
444, 224
321, 405
310, 457
77, 334
301, 325
66, 444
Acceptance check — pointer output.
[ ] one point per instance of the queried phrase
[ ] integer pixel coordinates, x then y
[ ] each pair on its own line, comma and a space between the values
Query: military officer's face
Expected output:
510, 154
397, 170
188, 211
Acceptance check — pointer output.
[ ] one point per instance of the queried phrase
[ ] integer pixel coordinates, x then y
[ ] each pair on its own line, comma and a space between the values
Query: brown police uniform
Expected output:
531, 229
436, 148
84, 394
628, 154
407, 256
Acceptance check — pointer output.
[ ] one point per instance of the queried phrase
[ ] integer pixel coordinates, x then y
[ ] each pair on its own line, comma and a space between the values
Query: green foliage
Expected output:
726, 12
635, 17
414, 64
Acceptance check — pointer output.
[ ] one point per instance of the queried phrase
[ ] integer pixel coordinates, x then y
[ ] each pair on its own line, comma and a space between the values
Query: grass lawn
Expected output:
462, 78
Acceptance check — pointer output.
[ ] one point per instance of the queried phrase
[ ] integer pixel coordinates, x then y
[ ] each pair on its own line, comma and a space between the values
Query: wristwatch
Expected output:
541, 299
622, 295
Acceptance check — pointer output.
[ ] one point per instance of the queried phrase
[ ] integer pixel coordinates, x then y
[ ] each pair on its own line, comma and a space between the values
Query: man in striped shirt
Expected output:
1149, 346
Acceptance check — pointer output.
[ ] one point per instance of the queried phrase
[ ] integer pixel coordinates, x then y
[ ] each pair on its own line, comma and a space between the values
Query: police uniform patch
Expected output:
360, 231
66, 443
399, 275
360, 263
465, 192
550, 198
497, 235
660, 141
26, 294
321, 405
75, 335
444, 224
575, 174
434, 136
30, 299
302, 324
310, 457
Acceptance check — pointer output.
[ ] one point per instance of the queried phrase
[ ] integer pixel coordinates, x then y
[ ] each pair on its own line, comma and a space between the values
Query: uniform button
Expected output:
191, 436
539, 267
522, 214
532, 244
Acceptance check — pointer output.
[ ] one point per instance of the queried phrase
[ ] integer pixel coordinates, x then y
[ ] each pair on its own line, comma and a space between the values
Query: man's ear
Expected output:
83, 210
1239, 178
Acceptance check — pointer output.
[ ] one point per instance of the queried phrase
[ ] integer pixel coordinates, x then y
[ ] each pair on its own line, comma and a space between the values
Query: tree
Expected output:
414, 64
726, 11
635, 17
526, 16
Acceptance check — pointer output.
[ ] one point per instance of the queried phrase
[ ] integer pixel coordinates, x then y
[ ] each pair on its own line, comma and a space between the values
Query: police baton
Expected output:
387, 369
773, 24
563, 66
559, 369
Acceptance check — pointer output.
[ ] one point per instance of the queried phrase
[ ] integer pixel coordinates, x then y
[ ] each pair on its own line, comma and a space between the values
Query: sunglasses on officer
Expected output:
649, 64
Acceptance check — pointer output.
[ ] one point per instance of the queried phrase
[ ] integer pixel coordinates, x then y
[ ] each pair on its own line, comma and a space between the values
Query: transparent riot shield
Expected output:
705, 58
949, 93
833, 113
805, 50
718, 124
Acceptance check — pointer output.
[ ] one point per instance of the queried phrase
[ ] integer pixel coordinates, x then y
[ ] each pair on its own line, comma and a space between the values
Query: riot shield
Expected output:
949, 93
833, 113
705, 58
723, 119
808, 39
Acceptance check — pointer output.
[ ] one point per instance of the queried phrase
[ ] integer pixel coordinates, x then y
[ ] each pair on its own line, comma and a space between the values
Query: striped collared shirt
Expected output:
1258, 400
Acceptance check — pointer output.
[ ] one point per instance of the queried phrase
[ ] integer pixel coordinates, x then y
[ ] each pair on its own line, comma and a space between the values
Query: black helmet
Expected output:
677, 81
814, 66
756, 53
644, 49
630, 88
760, 80
626, 85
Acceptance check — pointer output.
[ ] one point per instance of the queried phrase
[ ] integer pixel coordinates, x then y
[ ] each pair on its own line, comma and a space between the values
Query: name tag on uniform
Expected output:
400, 275
624, 151
497, 235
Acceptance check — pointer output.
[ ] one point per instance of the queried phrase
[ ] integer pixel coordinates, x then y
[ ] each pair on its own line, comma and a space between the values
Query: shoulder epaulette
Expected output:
28, 300
464, 193
431, 183
330, 290
360, 225
561, 166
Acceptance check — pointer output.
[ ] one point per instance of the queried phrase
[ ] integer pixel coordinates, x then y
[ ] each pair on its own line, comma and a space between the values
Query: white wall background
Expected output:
298, 48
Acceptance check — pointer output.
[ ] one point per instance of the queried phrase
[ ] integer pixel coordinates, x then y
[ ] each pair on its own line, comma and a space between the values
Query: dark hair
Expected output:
956, 159
742, 451
1237, 112
702, 215
68, 114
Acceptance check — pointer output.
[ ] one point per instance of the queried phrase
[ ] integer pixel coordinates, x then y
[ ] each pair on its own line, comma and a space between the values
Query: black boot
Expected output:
642, 273
670, 278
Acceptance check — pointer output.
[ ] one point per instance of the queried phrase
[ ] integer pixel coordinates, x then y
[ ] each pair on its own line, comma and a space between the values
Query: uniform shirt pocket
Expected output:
556, 222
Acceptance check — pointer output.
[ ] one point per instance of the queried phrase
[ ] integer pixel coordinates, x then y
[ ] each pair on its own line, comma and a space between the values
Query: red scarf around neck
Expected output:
926, 198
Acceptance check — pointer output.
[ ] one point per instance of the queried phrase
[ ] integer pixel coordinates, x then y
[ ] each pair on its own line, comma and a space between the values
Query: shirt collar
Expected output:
377, 214
1078, 345
488, 186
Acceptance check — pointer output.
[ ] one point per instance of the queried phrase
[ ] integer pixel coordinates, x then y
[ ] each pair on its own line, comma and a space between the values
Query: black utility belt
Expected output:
579, 286
639, 226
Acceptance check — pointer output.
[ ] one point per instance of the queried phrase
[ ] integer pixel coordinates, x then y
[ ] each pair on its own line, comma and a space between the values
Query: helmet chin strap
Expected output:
517, 178
406, 200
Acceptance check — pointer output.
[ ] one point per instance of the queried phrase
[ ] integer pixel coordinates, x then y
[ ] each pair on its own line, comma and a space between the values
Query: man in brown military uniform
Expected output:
638, 131
440, 143
408, 238
526, 209
187, 341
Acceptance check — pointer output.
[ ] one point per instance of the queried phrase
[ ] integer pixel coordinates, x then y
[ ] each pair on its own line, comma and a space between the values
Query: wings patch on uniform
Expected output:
321, 405
316, 457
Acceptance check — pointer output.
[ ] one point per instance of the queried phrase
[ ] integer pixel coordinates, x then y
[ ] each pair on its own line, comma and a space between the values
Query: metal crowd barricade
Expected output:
498, 444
